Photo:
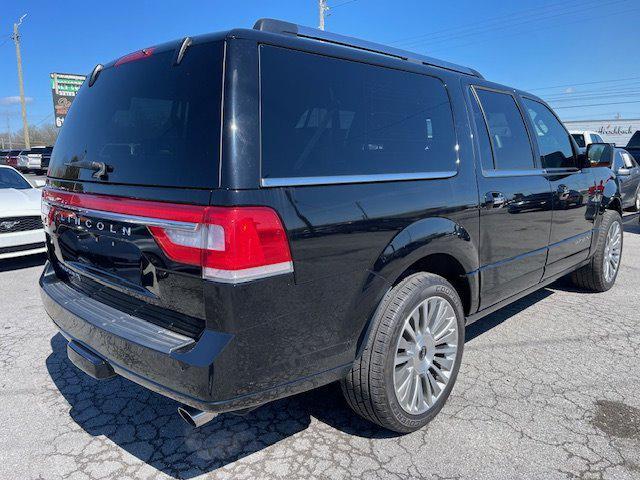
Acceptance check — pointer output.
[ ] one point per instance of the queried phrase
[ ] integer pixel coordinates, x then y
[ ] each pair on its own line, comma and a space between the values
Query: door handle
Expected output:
495, 199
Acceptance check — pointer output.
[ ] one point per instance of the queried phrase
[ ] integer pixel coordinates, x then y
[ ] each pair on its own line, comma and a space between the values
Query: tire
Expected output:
636, 206
370, 388
593, 276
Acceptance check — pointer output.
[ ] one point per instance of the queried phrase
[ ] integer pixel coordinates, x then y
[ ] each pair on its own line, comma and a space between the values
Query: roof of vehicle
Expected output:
582, 132
280, 27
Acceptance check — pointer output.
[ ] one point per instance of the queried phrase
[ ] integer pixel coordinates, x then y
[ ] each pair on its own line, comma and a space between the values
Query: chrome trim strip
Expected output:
342, 179
247, 274
124, 218
512, 173
560, 171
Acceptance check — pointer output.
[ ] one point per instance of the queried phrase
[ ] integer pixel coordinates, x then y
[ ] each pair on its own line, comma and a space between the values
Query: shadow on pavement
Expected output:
631, 224
146, 424
19, 263
493, 320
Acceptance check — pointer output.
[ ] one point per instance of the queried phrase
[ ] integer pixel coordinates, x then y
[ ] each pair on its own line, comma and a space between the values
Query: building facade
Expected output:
616, 131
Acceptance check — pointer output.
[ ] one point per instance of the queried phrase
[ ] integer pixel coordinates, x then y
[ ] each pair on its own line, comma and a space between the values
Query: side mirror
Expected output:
623, 172
599, 155
39, 183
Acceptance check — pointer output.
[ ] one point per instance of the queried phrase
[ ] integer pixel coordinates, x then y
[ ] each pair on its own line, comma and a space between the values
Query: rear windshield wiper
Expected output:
101, 169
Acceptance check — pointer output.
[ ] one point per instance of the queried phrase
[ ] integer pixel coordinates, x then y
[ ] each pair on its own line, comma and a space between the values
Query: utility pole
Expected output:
16, 40
322, 10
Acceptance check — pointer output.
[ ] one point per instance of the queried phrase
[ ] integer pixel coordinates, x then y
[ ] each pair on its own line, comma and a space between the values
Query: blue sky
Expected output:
578, 45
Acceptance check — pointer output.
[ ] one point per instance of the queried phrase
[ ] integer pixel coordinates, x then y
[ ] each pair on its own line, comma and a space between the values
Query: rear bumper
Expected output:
16, 244
189, 371
168, 363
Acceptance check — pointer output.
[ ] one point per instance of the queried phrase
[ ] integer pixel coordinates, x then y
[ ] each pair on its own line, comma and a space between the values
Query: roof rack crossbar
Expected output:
279, 26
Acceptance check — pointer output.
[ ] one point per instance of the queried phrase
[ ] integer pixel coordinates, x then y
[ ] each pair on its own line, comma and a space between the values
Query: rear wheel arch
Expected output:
432, 245
615, 204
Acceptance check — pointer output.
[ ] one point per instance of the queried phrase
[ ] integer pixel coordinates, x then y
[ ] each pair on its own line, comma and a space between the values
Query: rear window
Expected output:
153, 122
323, 116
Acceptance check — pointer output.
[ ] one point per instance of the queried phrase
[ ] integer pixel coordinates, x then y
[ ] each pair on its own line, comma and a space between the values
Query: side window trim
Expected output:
496, 172
575, 153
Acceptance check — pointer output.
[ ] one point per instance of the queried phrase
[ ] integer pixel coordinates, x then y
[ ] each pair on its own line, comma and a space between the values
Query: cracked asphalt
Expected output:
549, 389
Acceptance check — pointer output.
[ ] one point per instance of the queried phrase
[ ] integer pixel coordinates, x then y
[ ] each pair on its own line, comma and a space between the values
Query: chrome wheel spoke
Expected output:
443, 362
425, 355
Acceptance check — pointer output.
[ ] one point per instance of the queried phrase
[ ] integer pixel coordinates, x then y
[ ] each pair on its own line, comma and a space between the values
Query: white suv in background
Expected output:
585, 137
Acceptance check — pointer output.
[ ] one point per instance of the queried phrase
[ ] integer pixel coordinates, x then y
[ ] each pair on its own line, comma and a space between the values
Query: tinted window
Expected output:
579, 138
482, 135
509, 139
326, 117
153, 122
553, 139
9, 178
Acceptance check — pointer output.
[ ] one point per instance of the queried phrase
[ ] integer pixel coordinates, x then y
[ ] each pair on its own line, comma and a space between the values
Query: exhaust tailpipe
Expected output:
194, 417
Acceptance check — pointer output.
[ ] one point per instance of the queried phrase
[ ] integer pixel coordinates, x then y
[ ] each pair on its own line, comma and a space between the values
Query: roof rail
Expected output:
279, 26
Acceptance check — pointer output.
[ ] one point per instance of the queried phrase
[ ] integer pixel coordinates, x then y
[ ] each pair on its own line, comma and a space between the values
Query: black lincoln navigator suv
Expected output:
237, 217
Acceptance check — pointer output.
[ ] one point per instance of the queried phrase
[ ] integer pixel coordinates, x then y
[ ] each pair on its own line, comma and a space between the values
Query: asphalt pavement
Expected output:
549, 389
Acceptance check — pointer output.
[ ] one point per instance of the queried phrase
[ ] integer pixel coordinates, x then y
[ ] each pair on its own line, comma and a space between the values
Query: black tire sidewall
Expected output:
436, 286
609, 218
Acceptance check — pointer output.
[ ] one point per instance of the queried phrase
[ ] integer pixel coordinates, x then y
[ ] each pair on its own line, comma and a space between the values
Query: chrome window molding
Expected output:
345, 179
512, 173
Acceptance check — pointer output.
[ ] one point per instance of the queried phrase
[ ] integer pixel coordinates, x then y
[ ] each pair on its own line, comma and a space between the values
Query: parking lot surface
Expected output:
549, 388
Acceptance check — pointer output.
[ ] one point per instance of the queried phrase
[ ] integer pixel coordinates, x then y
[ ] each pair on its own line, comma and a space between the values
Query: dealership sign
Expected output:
617, 130
64, 87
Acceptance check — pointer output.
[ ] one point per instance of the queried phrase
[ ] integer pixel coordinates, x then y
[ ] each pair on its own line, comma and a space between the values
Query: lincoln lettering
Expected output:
80, 221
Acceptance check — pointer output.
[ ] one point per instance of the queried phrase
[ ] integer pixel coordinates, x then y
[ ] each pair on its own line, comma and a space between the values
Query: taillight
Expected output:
231, 244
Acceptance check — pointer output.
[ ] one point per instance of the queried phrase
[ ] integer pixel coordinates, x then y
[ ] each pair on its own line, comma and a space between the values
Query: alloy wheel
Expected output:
425, 355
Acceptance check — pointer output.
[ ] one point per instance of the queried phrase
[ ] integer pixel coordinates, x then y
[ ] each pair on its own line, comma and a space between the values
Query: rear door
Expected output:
572, 187
515, 217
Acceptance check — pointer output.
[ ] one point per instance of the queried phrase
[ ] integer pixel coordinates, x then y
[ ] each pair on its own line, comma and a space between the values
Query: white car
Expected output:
21, 231
585, 137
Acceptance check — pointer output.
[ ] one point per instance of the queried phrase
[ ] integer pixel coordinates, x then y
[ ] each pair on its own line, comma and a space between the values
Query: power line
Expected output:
507, 23
581, 84
592, 97
343, 3
522, 32
595, 104
482, 22
611, 89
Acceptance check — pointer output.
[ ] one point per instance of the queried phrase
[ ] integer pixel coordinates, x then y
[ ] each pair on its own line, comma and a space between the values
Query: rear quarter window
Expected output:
326, 117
